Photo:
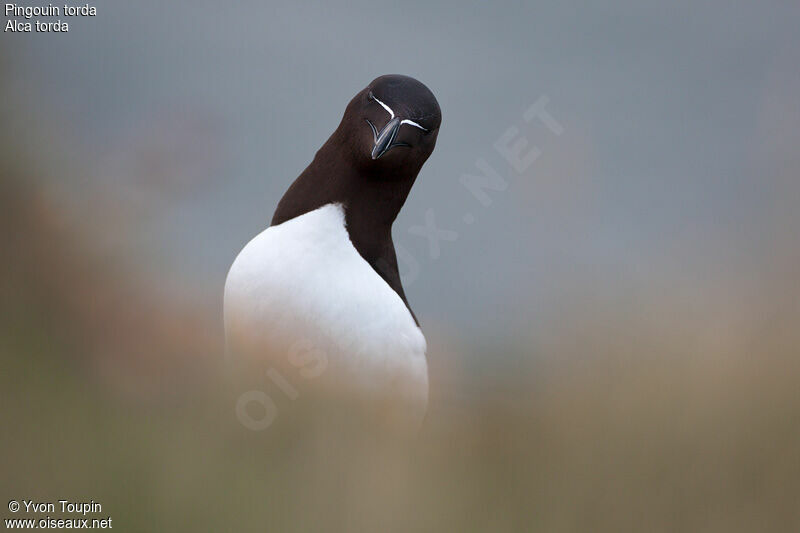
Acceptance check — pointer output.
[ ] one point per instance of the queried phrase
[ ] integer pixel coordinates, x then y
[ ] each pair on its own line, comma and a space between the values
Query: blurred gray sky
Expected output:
677, 163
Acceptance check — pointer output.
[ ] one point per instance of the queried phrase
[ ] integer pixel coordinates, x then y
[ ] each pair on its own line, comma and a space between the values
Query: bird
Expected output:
315, 300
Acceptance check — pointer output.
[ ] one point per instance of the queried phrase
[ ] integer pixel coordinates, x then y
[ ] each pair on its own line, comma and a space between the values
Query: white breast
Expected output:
301, 293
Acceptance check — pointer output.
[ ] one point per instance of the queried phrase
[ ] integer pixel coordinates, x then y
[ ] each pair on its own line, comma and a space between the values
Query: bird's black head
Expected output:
371, 161
392, 123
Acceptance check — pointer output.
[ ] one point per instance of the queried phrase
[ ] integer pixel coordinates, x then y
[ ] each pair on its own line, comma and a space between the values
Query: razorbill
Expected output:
316, 297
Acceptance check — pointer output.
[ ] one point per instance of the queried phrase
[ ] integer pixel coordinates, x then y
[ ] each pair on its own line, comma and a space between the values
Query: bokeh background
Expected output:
613, 340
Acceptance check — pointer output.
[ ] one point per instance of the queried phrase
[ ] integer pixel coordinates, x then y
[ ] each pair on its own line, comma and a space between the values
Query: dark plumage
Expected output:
372, 190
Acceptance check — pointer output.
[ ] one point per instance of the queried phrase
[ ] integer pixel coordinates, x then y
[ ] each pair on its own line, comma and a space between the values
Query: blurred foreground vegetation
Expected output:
646, 416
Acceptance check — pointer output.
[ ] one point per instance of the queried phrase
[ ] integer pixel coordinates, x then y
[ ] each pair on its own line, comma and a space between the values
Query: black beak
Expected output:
384, 140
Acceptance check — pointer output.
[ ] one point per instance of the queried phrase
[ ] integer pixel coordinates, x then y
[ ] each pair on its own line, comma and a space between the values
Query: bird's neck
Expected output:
371, 200
371, 194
